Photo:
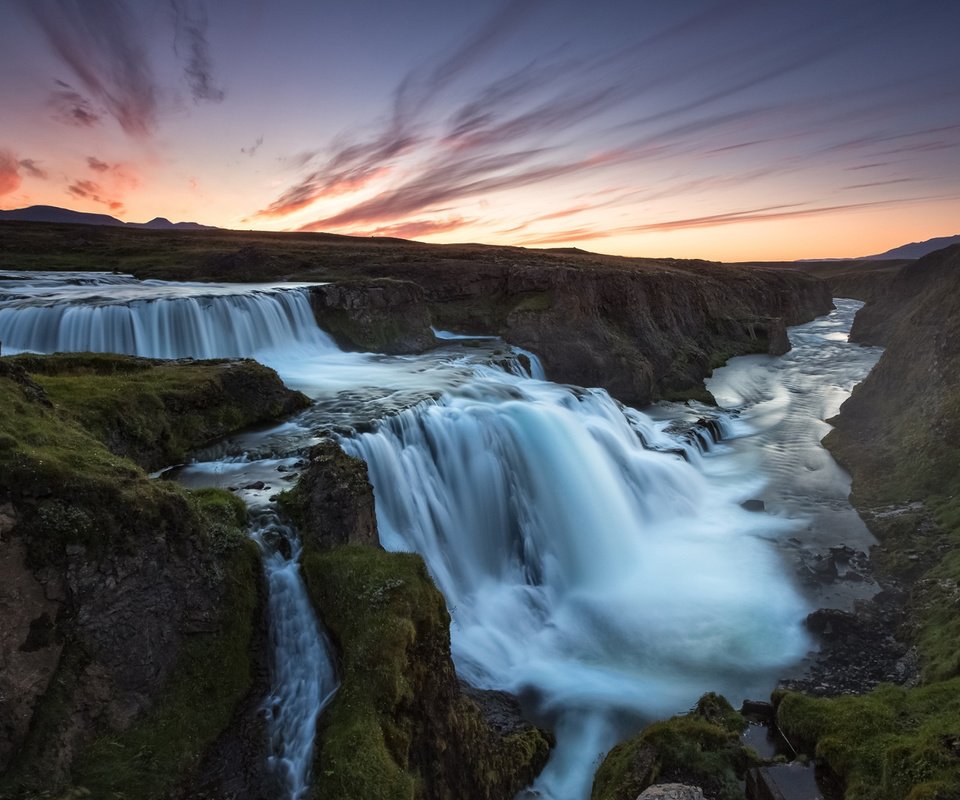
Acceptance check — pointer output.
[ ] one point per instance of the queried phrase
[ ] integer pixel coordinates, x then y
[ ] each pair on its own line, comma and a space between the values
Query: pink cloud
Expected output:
9, 172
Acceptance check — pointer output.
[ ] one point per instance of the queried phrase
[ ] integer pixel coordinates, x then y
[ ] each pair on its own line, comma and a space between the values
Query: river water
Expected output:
596, 560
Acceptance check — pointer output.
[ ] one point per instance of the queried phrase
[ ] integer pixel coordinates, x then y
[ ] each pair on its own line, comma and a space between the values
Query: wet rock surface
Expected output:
858, 649
671, 791
376, 315
332, 504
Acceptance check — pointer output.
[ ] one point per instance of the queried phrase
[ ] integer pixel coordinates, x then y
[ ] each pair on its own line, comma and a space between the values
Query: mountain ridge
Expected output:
41, 213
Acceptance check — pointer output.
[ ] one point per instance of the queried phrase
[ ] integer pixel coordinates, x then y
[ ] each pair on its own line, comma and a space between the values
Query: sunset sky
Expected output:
723, 130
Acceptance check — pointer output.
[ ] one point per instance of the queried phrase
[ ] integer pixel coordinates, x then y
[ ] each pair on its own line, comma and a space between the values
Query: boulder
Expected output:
332, 504
671, 791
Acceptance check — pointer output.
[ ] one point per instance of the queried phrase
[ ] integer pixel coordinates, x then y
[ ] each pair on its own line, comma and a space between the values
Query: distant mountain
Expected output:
68, 216
916, 249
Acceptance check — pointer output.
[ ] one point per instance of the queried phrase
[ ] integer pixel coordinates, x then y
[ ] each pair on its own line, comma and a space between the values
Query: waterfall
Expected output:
603, 580
304, 674
156, 319
595, 559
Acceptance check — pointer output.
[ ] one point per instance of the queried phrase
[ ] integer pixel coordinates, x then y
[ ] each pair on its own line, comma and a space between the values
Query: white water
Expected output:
156, 319
588, 568
302, 665
603, 582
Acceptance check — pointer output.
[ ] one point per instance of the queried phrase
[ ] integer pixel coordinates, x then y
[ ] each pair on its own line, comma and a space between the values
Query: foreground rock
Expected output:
671, 791
332, 503
401, 724
153, 411
700, 749
130, 606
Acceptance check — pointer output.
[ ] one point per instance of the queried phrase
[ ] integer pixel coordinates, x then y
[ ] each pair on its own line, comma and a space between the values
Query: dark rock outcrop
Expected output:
130, 605
153, 411
401, 724
641, 329
332, 503
377, 315
701, 748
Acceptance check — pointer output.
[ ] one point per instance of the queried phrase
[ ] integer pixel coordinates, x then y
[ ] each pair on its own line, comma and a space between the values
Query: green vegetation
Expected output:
154, 411
69, 489
891, 744
399, 726
701, 748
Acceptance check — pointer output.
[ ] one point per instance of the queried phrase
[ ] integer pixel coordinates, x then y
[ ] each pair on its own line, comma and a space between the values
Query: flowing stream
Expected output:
596, 560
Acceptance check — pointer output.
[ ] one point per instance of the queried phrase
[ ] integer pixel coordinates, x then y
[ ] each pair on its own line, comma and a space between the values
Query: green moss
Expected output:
702, 748
399, 723
212, 676
68, 488
153, 411
891, 744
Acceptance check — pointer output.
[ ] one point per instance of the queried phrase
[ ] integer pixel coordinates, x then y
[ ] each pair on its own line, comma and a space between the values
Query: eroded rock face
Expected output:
29, 648
332, 503
642, 330
379, 315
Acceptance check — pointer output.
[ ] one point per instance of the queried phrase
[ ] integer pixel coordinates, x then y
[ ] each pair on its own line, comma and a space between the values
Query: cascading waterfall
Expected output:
50, 312
595, 565
156, 319
603, 581
304, 673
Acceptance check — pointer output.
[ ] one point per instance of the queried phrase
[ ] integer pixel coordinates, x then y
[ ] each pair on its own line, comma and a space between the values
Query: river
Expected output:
597, 560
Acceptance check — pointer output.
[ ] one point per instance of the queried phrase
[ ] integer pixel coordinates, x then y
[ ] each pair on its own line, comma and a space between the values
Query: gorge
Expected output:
521, 565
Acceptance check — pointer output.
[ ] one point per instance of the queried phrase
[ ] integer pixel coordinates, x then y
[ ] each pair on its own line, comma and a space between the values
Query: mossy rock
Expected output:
399, 726
890, 744
701, 748
154, 411
77, 502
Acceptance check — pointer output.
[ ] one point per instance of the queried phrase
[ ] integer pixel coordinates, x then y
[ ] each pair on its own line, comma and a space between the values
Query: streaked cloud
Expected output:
414, 229
97, 165
252, 149
90, 190
190, 43
9, 172
33, 169
72, 108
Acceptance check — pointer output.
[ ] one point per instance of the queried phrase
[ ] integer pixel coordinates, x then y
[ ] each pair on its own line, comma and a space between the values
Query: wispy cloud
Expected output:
9, 172
33, 169
97, 165
753, 215
73, 108
106, 49
102, 44
90, 190
416, 228
252, 149
190, 42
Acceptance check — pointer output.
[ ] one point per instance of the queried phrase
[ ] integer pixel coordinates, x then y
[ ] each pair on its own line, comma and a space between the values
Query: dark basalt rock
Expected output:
376, 315
332, 504
859, 649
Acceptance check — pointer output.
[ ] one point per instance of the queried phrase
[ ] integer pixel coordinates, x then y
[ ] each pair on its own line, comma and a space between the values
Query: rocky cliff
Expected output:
644, 330
897, 435
401, 725
129, 605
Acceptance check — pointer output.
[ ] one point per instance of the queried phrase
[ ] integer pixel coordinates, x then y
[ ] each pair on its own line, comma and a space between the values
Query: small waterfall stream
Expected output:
302, 664
596, 559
